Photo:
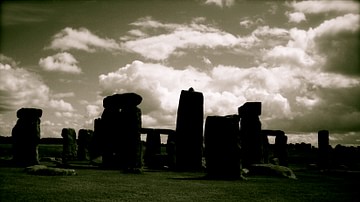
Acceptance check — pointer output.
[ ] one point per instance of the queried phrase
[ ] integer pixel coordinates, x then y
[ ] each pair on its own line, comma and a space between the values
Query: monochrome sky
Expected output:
299, 58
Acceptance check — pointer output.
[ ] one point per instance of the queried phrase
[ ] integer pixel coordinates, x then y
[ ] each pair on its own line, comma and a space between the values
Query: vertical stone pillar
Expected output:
96, 144
281, 148
26, 136
171, 149
153, 148
250, 133
84, 141
120, 131
222, 147
69, 144
323, 144
189, 130
132, 136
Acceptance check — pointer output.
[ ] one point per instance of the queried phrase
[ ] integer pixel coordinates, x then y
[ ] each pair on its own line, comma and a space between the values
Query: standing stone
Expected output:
250, 132
84, 141
96, 144
120, 131
189, 130
132, 137
281, 148
171, 149
153, 148
222, 147
323, 144
69, 144
26, 136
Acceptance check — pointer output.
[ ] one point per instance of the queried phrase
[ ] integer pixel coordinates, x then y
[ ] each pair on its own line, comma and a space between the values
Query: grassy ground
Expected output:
110, 185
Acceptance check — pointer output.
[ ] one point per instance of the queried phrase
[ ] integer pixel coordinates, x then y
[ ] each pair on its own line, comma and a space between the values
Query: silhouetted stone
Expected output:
281, 148
84, 141
132, 137
250, 133
189, 130
323, 144
171, 149
96, 144
26, 136
69, 144
153, 148
222, 147
120, 131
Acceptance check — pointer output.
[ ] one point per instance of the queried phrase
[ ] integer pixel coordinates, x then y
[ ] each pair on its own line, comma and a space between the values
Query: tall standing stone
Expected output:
323, 144
84, 142
120, 131
69, 144
281, 148
250, 132
26, 136
153, 148
189, 130
222, 147
96, 144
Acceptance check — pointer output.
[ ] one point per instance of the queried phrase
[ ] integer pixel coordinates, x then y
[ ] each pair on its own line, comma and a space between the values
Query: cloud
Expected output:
81, 39
63, 95
174, 37
93, 110
221, 3
61, 105
316, 7
296, 17
20, 88
291, 95
60, 62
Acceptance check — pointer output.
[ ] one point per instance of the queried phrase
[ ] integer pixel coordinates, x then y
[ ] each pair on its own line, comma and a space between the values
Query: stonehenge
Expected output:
228, 143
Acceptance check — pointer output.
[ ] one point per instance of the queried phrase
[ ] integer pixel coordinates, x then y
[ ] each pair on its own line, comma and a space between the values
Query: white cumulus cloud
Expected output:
81, 39
61, 62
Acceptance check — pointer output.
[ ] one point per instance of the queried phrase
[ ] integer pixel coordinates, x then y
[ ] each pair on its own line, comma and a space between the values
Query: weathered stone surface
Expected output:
26, 136
189, 130
84, 142
48, 171
222, 147
69, 144
271, 170
250, 133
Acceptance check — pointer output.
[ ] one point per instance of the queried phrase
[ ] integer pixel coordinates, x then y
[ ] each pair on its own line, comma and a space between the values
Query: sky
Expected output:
299, 58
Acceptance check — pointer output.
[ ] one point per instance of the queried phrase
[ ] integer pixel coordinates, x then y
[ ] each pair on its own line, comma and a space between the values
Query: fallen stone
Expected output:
48, 171
271, 170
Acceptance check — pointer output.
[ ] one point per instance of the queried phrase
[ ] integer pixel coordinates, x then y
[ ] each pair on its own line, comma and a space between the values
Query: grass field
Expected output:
94, 184
110, 185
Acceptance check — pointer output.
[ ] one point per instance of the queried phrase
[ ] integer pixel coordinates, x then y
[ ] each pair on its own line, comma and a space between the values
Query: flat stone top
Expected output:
122, 100
29, 113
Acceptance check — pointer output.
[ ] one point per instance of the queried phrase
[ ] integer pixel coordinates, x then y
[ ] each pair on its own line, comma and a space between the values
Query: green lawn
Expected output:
110, 185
